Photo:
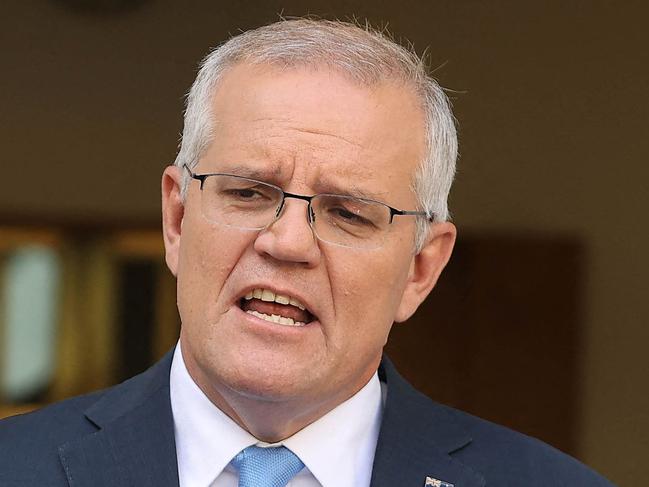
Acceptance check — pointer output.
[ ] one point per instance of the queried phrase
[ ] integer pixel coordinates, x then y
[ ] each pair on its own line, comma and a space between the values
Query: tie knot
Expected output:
266, 467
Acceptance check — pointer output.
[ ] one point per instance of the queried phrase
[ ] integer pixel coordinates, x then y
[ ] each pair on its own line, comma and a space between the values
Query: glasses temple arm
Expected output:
394, 211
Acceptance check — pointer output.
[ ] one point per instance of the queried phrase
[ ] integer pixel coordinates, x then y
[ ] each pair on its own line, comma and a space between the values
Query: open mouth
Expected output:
276, 308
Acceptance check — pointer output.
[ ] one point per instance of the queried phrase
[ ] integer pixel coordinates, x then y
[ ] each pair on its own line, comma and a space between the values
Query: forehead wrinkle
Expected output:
335, 176
327, 134
288, 124
256, 157
265, 156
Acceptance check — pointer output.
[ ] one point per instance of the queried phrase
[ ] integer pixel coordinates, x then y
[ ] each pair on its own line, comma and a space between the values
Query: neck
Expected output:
270, 419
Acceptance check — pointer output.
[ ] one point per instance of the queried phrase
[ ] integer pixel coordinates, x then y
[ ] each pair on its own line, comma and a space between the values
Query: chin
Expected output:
267, 387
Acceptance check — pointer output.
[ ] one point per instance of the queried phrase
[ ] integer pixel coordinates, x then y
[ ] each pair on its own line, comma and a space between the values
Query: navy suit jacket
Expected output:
124, 436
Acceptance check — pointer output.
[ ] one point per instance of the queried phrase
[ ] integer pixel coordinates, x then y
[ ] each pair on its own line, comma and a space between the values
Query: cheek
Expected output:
204, 266
367, 292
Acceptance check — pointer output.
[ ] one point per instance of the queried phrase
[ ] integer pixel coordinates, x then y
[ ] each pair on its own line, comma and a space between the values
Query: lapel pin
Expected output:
431, 482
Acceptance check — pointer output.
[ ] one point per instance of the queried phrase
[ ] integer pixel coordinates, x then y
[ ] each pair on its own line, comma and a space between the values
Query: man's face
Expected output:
307, 132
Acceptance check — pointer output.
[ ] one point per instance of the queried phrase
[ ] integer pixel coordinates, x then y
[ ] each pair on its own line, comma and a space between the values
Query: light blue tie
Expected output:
266, 467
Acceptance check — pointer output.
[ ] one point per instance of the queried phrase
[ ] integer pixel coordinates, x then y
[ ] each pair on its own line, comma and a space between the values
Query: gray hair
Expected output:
365, 56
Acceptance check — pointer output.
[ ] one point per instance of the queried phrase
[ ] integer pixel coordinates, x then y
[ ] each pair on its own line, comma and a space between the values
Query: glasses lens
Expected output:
239, 202
351, 222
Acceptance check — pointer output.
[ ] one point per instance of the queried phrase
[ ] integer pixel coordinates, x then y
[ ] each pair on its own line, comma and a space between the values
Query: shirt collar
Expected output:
338, 449
206, 438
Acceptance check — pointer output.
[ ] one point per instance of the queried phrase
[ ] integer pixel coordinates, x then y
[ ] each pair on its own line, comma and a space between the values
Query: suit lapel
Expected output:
416, 439
134, 444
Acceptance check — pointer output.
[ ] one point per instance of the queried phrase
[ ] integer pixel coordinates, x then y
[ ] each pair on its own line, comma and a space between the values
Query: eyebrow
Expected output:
263, 174
323, 185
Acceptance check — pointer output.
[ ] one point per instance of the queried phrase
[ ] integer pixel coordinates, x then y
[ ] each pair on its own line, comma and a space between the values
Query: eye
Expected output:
244, 193
346, 216
254, 193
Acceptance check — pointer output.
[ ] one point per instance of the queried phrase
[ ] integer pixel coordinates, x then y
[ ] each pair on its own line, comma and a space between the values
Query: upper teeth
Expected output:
270, 296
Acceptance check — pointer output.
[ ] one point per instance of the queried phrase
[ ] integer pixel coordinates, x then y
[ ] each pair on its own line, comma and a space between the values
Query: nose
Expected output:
290, 237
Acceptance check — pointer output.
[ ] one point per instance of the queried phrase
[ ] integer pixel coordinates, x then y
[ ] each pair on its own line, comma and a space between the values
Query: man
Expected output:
305, 214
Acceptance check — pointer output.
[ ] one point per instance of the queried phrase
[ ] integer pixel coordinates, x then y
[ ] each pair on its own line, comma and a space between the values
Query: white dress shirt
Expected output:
337, 449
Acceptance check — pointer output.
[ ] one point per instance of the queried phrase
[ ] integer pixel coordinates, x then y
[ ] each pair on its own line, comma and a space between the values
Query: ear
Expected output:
173, 210
426, 267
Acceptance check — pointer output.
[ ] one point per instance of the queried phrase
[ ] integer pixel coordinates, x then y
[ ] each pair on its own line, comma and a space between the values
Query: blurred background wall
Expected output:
552, 105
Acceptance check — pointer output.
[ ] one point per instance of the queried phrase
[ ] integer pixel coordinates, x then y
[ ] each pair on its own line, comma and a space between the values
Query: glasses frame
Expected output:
311, 216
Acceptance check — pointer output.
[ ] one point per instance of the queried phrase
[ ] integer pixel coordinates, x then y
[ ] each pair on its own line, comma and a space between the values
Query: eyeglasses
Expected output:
248, 204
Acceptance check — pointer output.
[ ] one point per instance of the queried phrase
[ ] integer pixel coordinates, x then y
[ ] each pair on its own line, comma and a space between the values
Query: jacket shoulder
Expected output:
509, 458
29, 442
496, 454
54, 422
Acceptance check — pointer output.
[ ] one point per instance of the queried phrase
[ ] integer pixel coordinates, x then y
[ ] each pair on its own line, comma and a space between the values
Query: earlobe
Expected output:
426, 268
173, 210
